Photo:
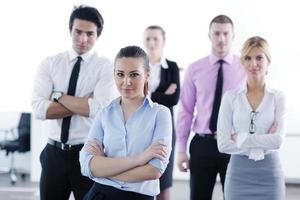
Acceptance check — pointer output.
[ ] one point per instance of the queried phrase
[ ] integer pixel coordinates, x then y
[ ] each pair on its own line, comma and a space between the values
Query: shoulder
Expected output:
54, 60
57, 57
162, 113
101, 60
231, 95
198, 64
278, 94
171, 63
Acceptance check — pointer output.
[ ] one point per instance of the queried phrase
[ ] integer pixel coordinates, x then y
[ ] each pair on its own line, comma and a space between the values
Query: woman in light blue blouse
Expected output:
251, 127
129, 144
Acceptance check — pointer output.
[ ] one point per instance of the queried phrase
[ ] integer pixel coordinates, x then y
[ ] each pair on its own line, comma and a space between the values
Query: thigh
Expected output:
54, 182
80, 185
223, 161
203, 168
94, 194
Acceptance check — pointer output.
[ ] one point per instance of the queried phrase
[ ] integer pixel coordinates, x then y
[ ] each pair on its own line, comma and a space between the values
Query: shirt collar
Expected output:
243, 88
85, 57
213, 59
147, 101
164, 63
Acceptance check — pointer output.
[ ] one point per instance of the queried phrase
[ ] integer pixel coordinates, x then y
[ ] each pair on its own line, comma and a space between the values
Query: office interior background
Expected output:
32, 30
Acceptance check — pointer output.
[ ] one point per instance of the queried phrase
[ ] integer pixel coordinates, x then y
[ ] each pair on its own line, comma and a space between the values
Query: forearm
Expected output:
165, 99
76, 105
141, 173
101, 166
264, 141
57, 111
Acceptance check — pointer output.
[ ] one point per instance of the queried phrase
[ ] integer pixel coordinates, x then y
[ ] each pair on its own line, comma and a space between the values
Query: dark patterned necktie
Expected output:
217, 99
71, 91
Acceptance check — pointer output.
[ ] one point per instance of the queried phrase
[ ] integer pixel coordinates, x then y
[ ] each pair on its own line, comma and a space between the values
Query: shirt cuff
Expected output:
256, 154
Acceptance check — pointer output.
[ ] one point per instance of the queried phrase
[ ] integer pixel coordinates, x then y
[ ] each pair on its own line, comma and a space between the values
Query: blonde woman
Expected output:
251, 129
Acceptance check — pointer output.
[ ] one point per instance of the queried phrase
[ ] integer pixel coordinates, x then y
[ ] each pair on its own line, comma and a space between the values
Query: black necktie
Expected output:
71, 91
217, 99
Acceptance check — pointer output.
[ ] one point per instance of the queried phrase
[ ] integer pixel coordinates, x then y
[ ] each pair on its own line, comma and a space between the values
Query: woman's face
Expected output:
154, 41
256, 64
130, 77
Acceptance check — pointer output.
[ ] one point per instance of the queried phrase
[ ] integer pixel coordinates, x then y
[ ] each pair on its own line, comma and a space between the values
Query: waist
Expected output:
207, 135
113, 192
65, 147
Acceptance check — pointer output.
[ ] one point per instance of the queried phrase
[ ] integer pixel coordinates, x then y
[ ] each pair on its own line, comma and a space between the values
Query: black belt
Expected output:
65, 147
208, 136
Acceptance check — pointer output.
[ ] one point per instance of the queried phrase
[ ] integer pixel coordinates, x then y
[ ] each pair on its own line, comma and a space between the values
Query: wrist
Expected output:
56, 95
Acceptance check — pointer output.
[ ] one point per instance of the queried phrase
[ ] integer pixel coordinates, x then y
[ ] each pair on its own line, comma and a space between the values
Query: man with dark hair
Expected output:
69, 89
204, 83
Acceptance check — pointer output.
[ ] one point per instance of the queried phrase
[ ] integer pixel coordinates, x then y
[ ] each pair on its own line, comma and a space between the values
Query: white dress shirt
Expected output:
155, 73
95, 81
235, 117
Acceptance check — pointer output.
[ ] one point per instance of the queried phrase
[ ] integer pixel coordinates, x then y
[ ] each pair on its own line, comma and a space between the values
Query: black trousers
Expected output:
105, 192
205, 163
61, 175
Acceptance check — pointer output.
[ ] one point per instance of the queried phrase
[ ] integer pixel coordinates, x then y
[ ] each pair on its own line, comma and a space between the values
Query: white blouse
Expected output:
155, 74
235, 116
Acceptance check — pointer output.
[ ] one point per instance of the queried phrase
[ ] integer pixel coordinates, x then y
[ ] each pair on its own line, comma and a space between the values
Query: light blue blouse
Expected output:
150, 123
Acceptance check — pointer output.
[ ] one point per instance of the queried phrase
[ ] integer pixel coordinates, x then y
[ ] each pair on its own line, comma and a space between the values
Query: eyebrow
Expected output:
78, 30
129, 72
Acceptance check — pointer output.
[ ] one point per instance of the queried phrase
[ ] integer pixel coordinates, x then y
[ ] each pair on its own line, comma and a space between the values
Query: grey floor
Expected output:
26, 190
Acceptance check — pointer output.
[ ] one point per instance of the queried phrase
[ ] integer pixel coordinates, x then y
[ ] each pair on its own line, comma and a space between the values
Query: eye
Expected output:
217, 33
247, 58
89, 34
259, 58
78, 32
119, 74
134, 75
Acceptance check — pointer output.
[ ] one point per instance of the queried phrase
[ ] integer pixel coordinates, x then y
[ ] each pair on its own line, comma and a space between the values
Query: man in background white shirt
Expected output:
71, 113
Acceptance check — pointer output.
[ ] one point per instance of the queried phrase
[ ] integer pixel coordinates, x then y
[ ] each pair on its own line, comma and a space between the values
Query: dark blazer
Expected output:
168, 76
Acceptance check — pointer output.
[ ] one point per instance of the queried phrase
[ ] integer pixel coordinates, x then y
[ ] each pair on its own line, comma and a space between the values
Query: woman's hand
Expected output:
273, 128
171, 89
94, 147
156, 150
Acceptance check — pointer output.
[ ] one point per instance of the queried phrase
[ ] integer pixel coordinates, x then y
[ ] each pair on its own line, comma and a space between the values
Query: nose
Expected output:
253, 63
83, 37
221, 37
127, 80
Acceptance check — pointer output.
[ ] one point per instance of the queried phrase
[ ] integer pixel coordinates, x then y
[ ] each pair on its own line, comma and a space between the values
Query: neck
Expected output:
132, 103
154, 58
220, 54
255, 86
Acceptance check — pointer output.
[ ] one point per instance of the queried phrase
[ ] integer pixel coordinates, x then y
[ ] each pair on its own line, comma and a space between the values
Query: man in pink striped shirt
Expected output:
197, 107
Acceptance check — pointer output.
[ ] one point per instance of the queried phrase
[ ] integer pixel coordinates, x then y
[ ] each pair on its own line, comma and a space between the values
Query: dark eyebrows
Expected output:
81, 31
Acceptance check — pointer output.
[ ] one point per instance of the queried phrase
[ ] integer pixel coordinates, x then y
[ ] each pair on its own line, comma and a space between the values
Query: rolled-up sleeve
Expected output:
162, 133
105, 90
96, 132
42, 89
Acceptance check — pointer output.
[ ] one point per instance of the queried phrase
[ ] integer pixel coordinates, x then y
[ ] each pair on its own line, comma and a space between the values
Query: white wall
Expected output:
32, 30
